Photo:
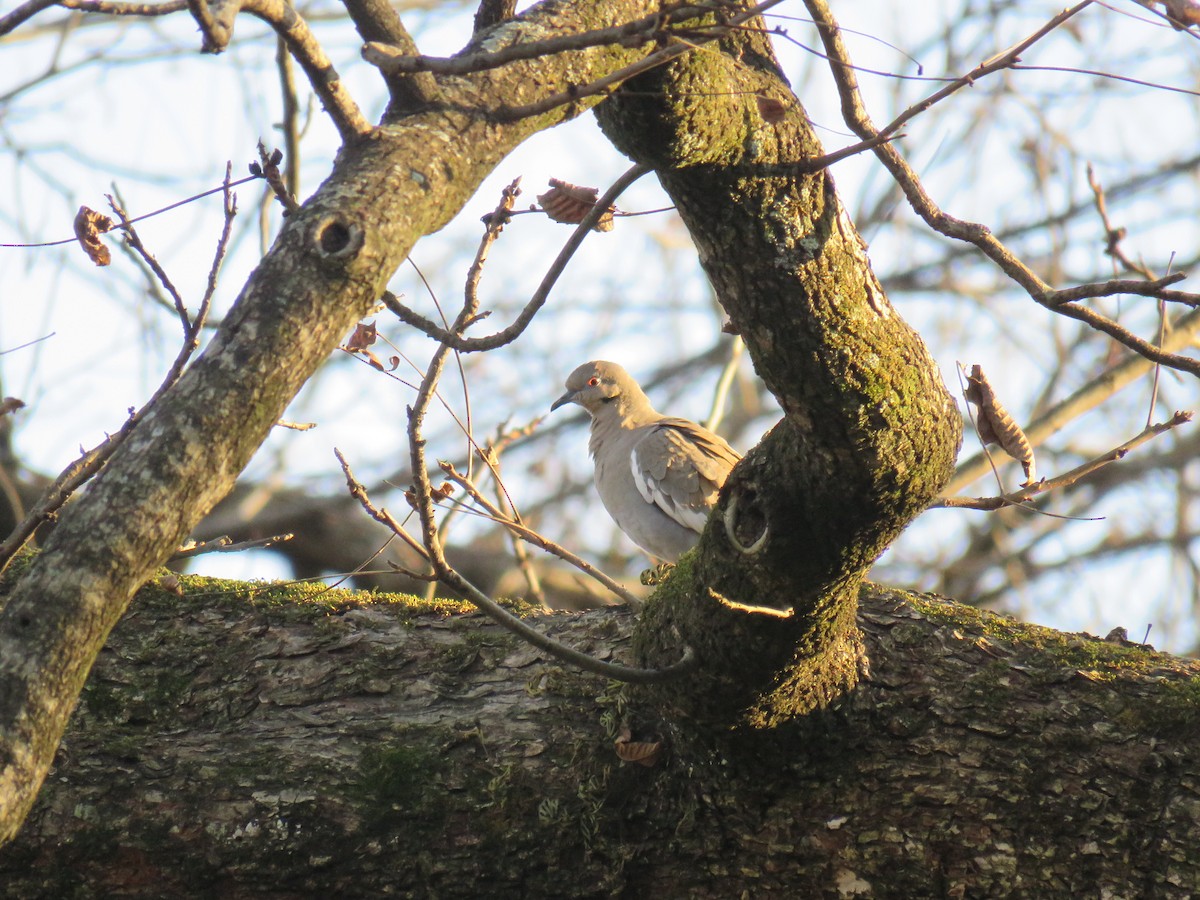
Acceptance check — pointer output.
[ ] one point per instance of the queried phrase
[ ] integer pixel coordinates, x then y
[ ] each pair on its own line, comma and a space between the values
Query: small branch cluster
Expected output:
79, 472
1063, 302
424, 497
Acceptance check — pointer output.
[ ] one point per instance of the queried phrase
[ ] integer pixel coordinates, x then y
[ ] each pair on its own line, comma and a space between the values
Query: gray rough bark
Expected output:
232, 745
240, 744
329, 265
870, 432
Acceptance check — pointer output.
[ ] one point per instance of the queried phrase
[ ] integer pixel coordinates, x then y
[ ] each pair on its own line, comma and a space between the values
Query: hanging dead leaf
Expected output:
376, 363
10, 405
569, 203
89, 225
996, 426
770, 109
364, 336
443, 492
1185, 12
644, 753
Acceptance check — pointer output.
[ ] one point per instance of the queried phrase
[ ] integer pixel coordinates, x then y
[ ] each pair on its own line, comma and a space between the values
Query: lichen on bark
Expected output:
870, 432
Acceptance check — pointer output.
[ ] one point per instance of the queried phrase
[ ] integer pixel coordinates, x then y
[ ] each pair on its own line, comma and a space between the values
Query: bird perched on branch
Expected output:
657, 475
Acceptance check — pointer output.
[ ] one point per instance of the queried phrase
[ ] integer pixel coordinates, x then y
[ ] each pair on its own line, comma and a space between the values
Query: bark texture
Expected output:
328, 266
870, 432
246, 741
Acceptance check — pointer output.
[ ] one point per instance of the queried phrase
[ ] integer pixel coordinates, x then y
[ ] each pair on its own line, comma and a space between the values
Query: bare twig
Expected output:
30, 9
524, 563
856, 116
721, 394
1067, 479
538, 300
289, 124
224, 544
82, 469
1086, 398
135, 243
526, 533
216, 17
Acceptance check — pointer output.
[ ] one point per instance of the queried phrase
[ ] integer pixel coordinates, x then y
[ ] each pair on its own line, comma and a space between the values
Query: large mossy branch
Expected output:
870, 432
327, 268
253, 738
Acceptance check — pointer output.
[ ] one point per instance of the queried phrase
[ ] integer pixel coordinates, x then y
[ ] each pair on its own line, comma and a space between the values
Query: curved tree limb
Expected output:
329, 264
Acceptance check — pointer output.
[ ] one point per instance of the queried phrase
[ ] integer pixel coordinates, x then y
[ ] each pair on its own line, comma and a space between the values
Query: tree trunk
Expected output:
244, 741
870, 432
328, 267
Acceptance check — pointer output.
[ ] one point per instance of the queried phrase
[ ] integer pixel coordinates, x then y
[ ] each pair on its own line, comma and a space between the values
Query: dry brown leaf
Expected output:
1186, 12
996, 426
89, 225
363, 337
569, 203
644, 753
770, 109
10, 405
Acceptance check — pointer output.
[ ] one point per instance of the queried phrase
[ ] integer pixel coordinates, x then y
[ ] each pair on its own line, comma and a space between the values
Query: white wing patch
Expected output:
665, 471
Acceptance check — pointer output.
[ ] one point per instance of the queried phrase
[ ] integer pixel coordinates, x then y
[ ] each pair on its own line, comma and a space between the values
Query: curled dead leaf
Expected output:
1185, 12
996, 426
644, 753
569, 203
89, 225
364, 336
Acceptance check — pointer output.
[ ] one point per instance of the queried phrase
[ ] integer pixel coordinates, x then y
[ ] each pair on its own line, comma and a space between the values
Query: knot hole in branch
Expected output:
335, 238
745, 521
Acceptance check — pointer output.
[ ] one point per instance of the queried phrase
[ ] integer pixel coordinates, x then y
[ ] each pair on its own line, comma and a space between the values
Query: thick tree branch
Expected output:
216, 20
804, 515
328, 266
307, 731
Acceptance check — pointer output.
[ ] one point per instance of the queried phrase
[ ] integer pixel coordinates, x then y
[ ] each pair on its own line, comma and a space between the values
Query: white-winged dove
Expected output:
658, 476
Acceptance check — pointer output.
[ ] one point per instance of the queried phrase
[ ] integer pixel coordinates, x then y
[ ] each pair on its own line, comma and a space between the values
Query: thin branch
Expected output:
1086, 398
81, 470
855, 115
453, 579
134, 241
1019, 498
513, 331
28, 10
721, 393
538, 540
491, 456
289, 124
224, 544
144, 216
216, 27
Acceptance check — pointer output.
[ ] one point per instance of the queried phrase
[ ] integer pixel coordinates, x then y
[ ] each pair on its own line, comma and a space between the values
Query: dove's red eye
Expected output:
593, 381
